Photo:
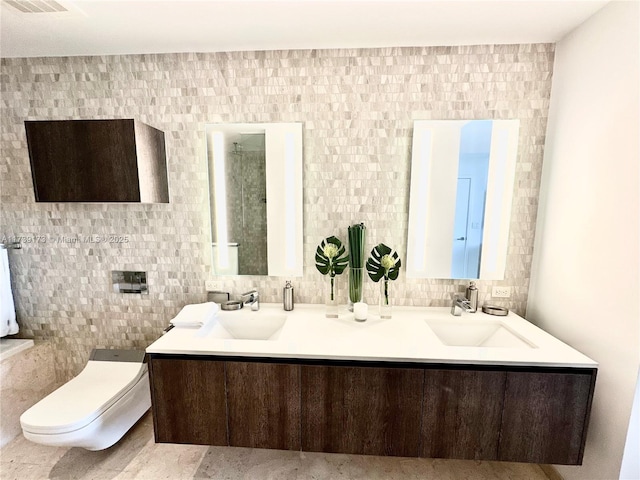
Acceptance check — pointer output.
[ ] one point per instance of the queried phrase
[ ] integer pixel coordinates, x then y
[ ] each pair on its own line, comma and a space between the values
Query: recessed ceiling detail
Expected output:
108, 27
36, 6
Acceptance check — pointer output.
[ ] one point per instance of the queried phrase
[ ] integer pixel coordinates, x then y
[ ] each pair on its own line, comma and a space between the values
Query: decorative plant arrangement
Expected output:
383, 263
356, 261
331, 259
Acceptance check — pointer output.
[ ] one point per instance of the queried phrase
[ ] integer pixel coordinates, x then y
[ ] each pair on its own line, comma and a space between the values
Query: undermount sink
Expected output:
248, 326
477, 333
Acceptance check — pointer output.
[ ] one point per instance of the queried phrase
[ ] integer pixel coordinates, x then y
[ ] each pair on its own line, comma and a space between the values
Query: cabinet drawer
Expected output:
363, 410
545, 417
188, 401
461, 414
264, 405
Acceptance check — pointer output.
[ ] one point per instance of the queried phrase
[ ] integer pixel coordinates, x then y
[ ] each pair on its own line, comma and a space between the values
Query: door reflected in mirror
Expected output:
255, 185
462, 175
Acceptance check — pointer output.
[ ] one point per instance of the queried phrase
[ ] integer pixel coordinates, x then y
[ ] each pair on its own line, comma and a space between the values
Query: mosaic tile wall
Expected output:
357, 106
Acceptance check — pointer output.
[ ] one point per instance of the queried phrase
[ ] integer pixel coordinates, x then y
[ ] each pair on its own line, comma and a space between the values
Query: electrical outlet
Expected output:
501, 292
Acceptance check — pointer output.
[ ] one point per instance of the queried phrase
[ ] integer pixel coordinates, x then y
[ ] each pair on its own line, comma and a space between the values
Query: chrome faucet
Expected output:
459, 304
251, 298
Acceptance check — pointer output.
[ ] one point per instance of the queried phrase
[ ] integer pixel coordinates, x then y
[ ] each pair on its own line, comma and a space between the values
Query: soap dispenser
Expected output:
472, 297
287, 296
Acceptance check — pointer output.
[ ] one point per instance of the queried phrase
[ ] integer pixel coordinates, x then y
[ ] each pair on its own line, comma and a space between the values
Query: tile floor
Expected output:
137, 456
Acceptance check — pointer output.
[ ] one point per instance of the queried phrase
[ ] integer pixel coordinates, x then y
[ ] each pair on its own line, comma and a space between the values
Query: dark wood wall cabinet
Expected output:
516, 414
97, 161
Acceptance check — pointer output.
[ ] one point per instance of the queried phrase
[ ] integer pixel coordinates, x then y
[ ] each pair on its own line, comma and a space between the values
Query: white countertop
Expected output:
406, 337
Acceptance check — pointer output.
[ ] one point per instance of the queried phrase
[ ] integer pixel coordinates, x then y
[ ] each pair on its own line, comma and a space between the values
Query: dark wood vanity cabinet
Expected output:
545, 416
212, 402
364, 410
533, 415
518, 414
188, 401
264, 405
462, 414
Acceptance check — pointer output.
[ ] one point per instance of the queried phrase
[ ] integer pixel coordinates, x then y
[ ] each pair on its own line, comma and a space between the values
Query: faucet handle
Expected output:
459, 303
252, 294
252, 298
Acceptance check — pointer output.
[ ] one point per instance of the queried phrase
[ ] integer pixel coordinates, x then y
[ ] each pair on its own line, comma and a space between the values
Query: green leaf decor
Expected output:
331, 257
356, 261
383, 263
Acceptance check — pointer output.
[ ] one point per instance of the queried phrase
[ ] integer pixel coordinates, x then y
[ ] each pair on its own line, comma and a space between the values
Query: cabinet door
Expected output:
188, 401
545, 417
363, 410
462, 413
97, 161
264, 405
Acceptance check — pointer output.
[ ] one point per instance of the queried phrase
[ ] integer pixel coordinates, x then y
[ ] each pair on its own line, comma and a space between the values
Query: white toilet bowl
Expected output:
96, 408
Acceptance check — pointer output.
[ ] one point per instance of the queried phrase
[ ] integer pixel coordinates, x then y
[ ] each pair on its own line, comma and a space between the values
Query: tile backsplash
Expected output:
357, 107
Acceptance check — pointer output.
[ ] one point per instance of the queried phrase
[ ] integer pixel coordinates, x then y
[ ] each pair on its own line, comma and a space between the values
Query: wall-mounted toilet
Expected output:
96, 408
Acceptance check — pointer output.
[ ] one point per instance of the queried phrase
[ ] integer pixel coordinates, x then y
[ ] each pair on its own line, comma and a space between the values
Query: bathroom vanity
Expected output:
423, 383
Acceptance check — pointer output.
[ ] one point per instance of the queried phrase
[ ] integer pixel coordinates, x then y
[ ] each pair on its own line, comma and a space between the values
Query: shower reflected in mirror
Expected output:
255, 192
238, 182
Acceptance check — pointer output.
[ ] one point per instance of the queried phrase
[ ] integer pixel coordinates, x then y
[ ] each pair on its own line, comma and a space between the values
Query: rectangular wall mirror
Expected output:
255, 190
462, 174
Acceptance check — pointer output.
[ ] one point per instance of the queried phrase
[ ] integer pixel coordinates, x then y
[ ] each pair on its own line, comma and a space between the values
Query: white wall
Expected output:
584, 278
